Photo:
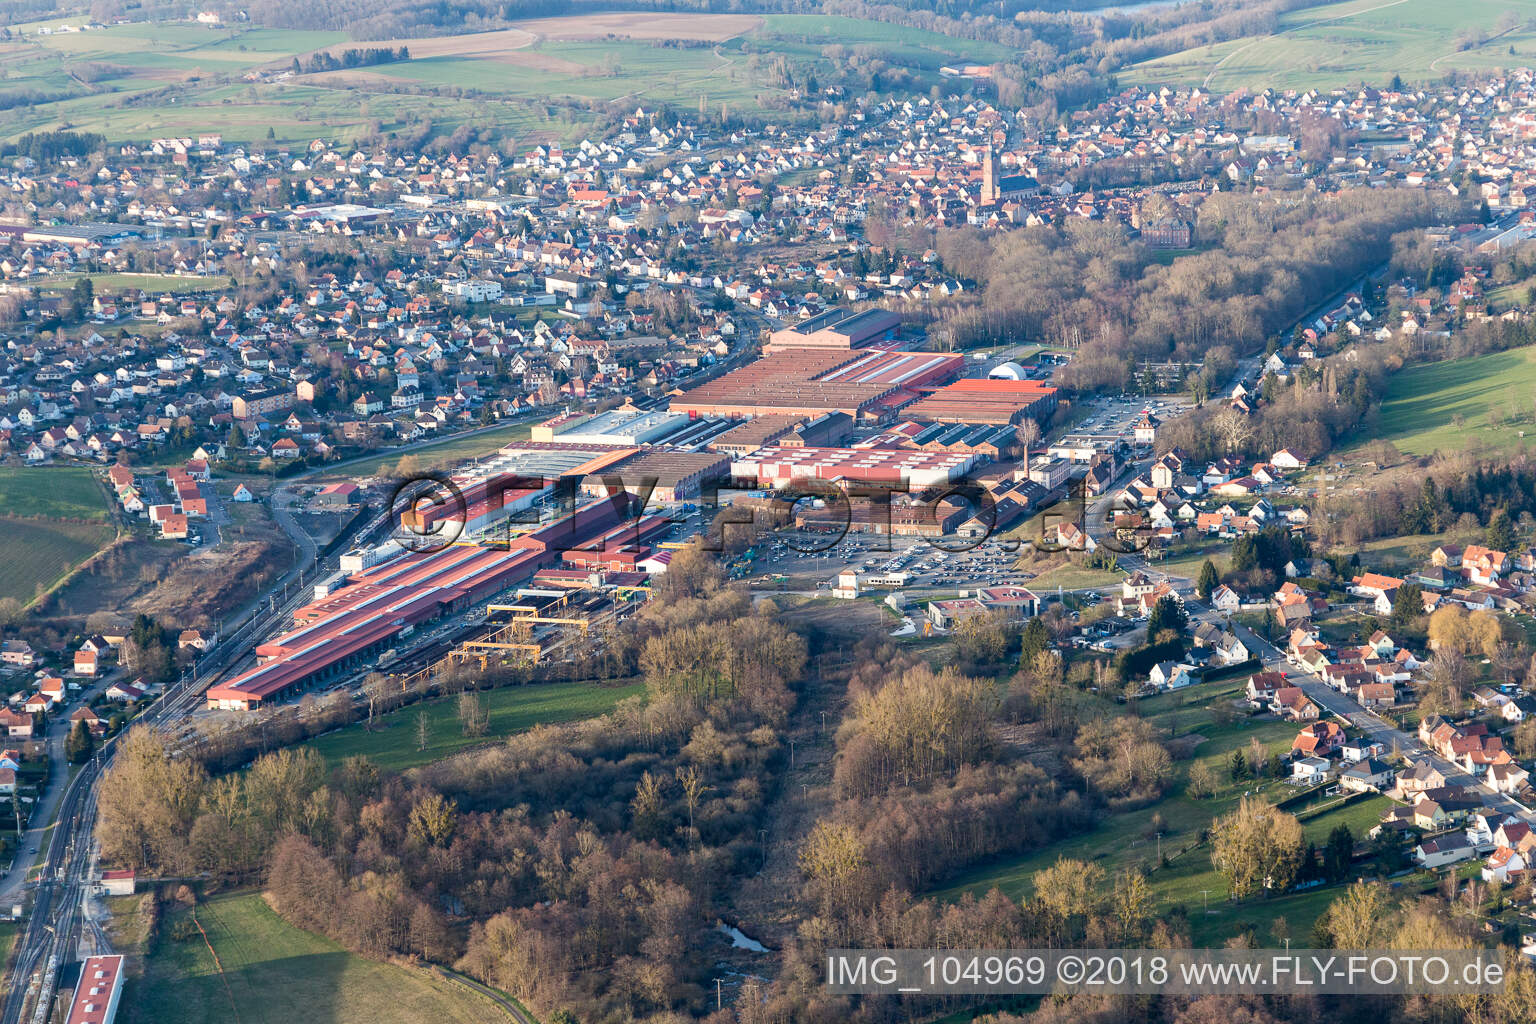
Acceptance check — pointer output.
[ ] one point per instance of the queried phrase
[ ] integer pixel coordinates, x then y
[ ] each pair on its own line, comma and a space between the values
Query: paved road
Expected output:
50, 940
218, 514
1367, 721
1340, 704
12, 881
41, 816
60, 925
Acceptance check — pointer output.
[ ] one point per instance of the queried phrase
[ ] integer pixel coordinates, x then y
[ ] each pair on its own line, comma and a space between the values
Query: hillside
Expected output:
1361, 40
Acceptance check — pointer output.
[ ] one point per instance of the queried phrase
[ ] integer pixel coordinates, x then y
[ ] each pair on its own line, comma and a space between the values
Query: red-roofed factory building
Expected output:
991, 400
98, 991
863, 383
364, 618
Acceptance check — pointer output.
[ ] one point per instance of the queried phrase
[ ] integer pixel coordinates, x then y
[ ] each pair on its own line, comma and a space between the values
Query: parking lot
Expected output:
925, 566
1115, 417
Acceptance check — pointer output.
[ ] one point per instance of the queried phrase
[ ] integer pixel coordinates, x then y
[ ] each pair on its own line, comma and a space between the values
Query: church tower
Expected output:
988, 179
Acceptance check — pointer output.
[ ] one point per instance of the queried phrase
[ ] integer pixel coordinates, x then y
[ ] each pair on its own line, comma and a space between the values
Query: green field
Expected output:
1075, 577
1493, 395
52, 519
726, 73
273, 973
439, 454
67, 492
116, 284
392, 743
1188, 564
146, 80
1344, 44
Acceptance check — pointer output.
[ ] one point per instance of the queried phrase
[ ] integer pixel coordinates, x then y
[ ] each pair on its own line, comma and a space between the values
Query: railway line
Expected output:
59, 928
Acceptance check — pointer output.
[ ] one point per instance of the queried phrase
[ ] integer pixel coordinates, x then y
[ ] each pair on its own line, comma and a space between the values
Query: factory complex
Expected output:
867, 384
364, 617
777, 467
569, 504
871, 385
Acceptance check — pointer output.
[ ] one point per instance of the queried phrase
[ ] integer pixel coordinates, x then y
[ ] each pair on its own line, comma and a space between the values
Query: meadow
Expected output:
67, 492
1129, 839
533, 82
269, 972
1486, 402
393, 742
1344, 44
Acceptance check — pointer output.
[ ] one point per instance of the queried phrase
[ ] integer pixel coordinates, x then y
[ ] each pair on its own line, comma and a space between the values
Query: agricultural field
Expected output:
393, 742
52, 493
617, 57
1358, 41
532, 82
52, 519
38, 554
1483, 403
268, 972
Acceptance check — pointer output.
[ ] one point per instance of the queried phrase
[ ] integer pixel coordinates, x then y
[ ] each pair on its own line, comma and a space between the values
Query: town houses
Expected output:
587, 237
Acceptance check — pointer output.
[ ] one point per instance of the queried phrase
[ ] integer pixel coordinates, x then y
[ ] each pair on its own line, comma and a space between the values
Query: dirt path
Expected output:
1206, 84
1434, 65
766, 906
725, 62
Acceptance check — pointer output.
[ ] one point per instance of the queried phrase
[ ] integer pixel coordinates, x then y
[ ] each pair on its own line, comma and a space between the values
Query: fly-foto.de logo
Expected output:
810, 515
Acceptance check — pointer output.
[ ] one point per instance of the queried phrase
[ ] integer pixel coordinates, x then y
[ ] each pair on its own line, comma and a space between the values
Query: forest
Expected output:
1086, 285
581, 867
572, 866
352, 57
45, 147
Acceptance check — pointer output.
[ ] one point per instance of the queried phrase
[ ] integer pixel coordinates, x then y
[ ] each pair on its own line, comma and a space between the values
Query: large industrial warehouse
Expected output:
379, 604
867, 383
837, 329
662, 475
513, 481
986, 401
777, 466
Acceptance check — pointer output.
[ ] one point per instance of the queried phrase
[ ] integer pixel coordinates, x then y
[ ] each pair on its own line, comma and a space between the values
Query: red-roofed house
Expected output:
85, 662
1293, 704
1318, 739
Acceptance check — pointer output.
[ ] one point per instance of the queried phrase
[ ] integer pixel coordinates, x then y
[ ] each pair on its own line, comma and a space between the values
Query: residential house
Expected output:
1310, 771
1442, 851
16, 723
1293, 704
1371, 775
1318, 738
